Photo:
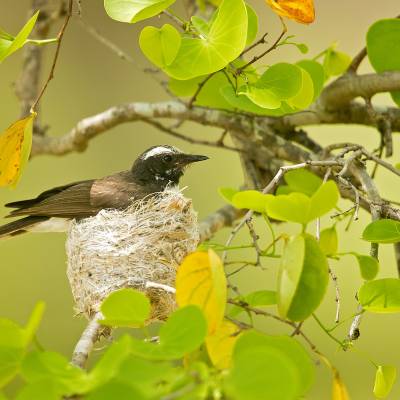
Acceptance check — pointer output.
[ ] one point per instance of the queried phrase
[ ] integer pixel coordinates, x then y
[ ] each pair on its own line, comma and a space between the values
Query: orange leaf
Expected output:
201, 280
339, 391
15, 148
299, 10
220, 344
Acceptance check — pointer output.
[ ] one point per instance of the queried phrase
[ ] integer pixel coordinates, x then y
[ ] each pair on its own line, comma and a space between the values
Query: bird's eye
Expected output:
167, 158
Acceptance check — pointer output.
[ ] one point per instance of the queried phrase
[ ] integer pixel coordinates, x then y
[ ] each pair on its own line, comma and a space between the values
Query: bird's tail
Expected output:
20, 226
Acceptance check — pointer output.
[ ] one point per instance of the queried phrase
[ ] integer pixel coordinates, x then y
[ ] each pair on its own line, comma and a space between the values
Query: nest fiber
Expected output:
135, 247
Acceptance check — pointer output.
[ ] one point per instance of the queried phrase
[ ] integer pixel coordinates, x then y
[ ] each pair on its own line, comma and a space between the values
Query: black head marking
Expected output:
162, 165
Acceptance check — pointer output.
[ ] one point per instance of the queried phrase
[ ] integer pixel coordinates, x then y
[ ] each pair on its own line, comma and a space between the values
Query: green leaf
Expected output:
225, 42
126, 307
34, 321
227, 193
288, 207
45, 389
201, 25
263, 98
259, 298
303, 278
297, 207
145, 374
249, 199
328, 241
8, 47
135, 10
303, 181
242, 102
382, 231
269, 367
323, 200
282, 79
209, 96
184, 332
252, 25
381, 295
369, 266
384, 380
108, 366
383, 47
10, 361
305, 95
45, 365
117, 390
6, 36
335, 62
302, 47
160, 46
11, 334
317, 74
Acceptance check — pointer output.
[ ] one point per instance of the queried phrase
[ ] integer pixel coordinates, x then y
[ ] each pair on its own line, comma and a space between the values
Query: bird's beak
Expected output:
191, 158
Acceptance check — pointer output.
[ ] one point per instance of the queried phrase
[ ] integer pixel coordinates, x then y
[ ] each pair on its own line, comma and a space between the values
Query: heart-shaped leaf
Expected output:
160, 45
224, 43
381, 295
135, 10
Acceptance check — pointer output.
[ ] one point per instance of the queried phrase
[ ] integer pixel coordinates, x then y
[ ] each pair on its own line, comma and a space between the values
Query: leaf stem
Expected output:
326, 330
41, 42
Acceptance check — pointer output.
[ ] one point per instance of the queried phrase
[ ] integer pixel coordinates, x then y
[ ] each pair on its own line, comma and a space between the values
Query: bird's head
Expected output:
162, 165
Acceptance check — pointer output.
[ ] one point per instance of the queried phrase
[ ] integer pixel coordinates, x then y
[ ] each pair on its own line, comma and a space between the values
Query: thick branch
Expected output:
221, 218
350, 86
77, 139
89, 337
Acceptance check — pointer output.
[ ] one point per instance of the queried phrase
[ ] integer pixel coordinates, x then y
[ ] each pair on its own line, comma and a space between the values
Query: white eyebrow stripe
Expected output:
156, 151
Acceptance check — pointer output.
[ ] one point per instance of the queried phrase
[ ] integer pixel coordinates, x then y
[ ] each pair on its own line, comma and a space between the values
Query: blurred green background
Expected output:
89, 78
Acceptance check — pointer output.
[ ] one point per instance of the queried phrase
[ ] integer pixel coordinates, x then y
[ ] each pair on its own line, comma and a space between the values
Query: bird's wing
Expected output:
83, 199
70, 201
42, 196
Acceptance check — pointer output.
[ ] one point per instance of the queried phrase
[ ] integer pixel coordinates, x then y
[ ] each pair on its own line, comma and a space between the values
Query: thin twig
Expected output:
259, 41
271, 187
199, 88
264, 313
273, 47
397, 257
337, 294
354, 332
255, 238
108, 43
357, 60
155, 285
59, 41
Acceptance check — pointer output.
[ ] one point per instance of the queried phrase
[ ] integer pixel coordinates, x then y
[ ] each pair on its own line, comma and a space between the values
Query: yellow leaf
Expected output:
15, 148
339, 391
220, 344
201, 280
299, 10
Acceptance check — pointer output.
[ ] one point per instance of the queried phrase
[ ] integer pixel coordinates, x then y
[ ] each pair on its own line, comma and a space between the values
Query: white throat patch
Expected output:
159, 150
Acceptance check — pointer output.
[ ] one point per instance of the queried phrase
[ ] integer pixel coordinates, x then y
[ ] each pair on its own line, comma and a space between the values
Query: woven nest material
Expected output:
141, 245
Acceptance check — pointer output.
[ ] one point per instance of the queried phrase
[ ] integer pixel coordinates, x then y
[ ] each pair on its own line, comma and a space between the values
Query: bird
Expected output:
156, 169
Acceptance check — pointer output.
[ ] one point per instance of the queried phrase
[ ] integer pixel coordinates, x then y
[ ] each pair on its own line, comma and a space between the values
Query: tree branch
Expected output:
85, 344
348, 87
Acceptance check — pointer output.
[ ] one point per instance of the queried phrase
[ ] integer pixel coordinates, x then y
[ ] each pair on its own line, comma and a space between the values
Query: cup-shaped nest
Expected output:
136, 247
